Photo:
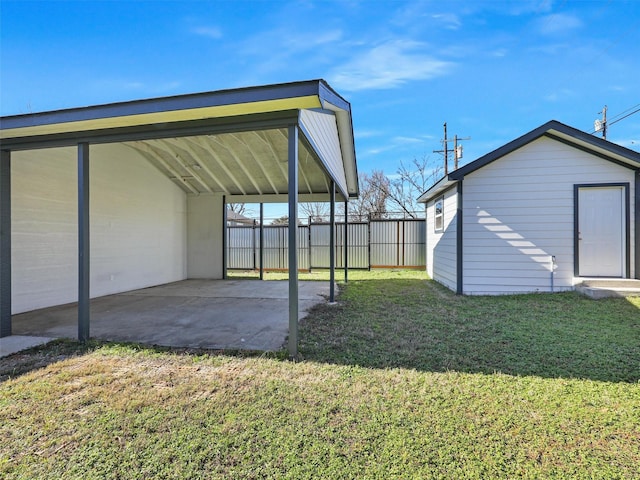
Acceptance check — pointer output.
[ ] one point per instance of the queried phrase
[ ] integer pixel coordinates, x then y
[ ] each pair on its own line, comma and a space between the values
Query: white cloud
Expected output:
407, 140
558, 23
210, 32
282, 51
359, 134
286, 42
562, 94
525, 7
388, 65
119, 85
450, 20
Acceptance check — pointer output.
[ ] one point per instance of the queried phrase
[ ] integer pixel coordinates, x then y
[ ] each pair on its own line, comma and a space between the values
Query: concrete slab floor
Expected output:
17, 343
225, 314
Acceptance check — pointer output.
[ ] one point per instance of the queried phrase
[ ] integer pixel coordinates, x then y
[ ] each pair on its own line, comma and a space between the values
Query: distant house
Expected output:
539, 214
235, 219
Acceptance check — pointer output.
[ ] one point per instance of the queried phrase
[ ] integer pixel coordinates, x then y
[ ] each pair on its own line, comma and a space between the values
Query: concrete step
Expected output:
614, 287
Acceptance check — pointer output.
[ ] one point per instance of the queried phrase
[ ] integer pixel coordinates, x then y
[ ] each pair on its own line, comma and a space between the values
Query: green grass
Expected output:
400, 379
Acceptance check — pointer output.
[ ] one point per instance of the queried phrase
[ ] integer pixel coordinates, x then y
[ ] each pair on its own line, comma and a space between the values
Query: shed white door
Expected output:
601, 231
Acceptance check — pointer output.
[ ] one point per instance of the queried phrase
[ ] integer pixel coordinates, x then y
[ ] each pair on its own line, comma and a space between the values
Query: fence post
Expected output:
309, 241
369, 242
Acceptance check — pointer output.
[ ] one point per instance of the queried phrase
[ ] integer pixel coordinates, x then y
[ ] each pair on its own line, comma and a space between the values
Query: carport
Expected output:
161, 172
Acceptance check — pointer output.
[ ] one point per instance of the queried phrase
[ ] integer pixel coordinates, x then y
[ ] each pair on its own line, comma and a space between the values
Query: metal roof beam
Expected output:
214, 155
188, 148
238, 161
168, 144
151, 155
257, 162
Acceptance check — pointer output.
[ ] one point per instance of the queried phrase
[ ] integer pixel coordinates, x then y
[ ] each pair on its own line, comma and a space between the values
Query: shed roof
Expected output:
552, 129
228, 141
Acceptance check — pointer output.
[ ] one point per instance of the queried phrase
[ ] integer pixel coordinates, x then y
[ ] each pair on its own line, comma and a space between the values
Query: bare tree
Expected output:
284, 220
239, 208
410, 182
317, 212
372, 202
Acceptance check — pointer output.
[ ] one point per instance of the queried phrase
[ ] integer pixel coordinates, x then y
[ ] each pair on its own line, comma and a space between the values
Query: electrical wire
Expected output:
622, 118
625, 111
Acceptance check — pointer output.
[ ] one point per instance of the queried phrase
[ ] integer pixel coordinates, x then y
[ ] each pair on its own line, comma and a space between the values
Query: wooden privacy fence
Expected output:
373, 244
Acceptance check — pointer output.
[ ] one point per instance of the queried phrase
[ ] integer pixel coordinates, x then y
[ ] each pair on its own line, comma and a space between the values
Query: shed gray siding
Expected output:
519, 211
441, 246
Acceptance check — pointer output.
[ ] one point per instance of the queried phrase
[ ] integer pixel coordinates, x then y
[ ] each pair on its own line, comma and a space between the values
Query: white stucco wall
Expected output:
138, 225
204, 236
519, 211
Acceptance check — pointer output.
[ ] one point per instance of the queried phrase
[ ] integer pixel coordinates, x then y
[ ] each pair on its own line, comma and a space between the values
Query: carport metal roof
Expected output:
242, 143
229, 141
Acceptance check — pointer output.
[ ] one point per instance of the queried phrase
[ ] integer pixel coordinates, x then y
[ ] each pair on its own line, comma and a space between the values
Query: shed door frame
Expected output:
626, 262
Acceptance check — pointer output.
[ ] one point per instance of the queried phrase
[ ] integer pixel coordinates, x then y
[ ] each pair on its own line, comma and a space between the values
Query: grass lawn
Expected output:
400, 379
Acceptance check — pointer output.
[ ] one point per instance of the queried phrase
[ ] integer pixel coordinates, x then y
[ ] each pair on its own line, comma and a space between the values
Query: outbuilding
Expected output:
539, 214
148, 182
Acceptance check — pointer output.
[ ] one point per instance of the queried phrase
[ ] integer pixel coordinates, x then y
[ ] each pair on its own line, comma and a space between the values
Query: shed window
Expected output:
439, 215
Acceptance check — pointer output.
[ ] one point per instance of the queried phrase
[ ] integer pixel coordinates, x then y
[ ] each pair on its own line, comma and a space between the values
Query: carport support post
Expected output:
261, 241
5, 243
293, 240
83, 242
225, 257
346, 241
332, 242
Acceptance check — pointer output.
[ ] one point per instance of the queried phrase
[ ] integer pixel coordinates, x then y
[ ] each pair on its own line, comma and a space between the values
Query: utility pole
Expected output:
445, 152
602, 124
457, 150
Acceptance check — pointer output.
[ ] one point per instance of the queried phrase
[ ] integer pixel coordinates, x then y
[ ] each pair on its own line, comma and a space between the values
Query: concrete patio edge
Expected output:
17, 343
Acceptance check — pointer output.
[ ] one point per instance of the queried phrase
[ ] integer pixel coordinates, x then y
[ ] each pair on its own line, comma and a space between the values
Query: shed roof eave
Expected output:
558, 131
437, 188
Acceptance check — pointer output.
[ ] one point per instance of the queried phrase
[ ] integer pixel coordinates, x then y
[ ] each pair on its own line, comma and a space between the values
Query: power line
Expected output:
604, 124
625, 111
627, 115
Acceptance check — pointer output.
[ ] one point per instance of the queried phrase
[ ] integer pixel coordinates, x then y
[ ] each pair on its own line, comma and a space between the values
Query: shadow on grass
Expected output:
35, 358
419, 324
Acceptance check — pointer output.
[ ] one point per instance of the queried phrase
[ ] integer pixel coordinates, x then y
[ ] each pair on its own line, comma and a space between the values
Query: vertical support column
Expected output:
84, 249
636, 221
332, 243
253, 246
224, 238
346, 241
368, 241
459, 240
293, 240
262, 241
309, 241
5, 243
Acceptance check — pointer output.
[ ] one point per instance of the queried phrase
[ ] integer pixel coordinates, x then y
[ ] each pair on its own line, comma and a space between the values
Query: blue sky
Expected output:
493, 70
